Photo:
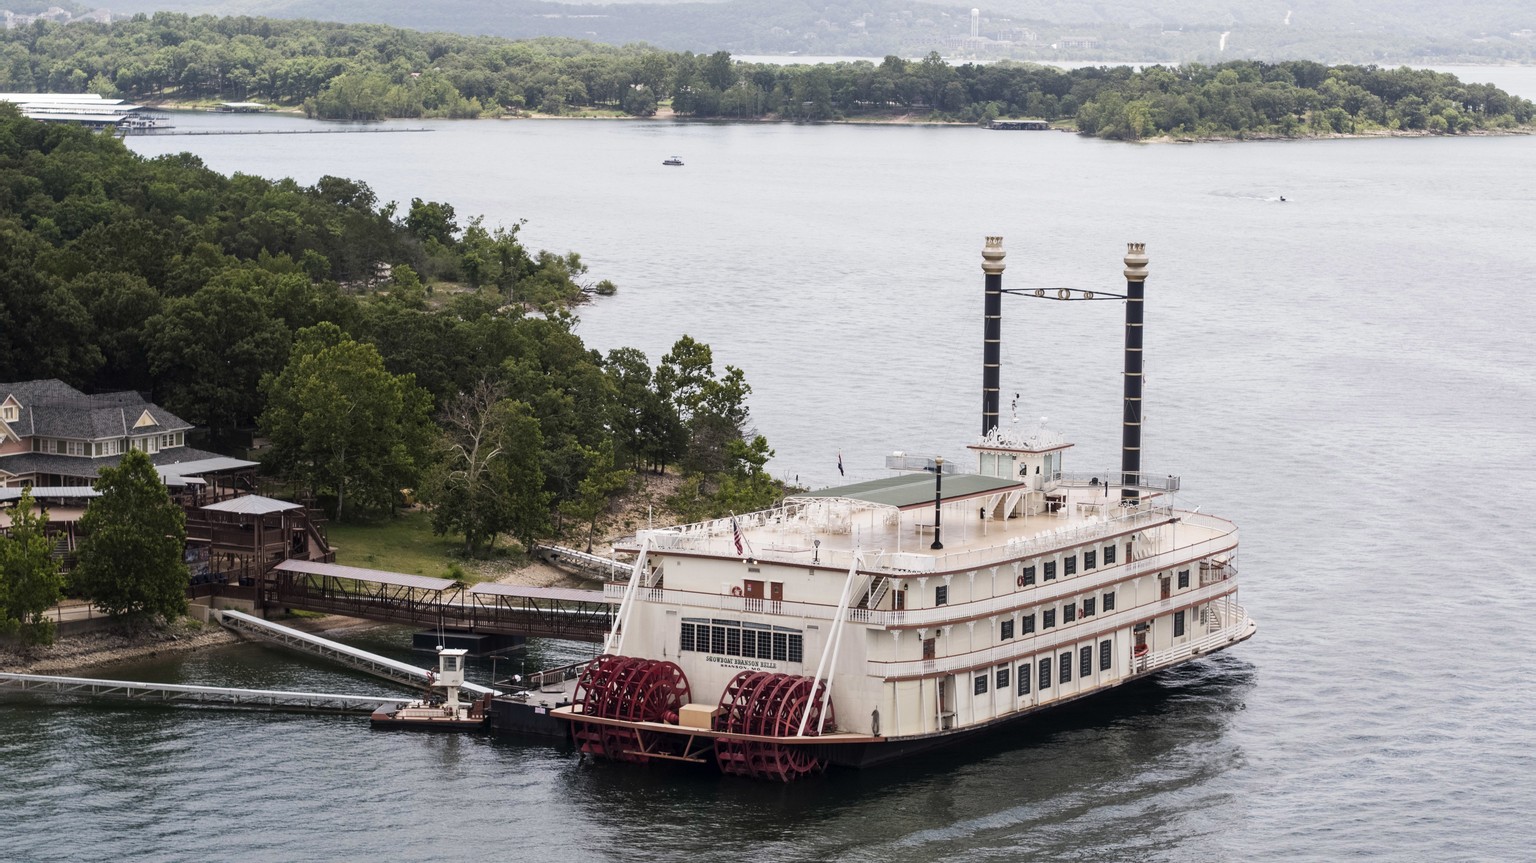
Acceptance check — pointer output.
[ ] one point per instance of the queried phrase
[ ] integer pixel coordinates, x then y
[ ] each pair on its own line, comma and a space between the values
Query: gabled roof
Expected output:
252, 504
179, 461
52, 408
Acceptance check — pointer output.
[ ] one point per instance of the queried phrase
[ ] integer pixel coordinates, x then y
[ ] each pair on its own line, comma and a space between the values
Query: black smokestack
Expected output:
991, 345
1130, 442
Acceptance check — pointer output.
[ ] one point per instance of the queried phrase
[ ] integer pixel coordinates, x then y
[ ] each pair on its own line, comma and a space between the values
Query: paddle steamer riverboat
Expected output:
858, 624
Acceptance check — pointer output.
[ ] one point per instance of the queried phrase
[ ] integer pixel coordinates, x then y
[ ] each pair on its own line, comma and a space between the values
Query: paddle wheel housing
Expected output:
632, 689
771, 705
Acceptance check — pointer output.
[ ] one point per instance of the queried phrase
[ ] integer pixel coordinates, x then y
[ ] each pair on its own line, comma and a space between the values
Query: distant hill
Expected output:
1381, 31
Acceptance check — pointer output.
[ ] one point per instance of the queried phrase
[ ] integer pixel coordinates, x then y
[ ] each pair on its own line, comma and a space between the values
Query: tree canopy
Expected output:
130, 558
30, 580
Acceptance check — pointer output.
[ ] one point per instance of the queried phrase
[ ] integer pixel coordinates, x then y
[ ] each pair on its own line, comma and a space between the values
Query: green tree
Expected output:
134, 535
487, 479
341, 423
30, 581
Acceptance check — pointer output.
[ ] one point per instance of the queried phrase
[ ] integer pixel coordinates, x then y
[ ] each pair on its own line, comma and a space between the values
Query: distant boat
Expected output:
672, 160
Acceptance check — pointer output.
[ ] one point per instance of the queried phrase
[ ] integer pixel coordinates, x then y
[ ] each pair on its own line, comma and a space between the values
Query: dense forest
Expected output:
364, 72
1140, 31
378, 347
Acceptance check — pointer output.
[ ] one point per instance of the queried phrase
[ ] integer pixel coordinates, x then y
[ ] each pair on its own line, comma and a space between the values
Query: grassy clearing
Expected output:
402, 544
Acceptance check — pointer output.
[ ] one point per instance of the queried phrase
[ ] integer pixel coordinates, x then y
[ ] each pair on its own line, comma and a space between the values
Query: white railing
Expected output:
716, 538
1017, 649
1237, 626
1003, 603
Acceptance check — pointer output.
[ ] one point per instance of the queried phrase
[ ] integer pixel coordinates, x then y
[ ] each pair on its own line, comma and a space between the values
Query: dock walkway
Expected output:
209, 696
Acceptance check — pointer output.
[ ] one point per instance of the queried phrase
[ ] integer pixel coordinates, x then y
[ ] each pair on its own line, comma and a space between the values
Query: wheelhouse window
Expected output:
1005, 630
1106, 657
1178, 624
941, 595
739, 638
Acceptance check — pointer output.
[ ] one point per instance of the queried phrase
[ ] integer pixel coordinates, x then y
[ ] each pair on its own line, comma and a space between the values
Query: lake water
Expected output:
1347, 374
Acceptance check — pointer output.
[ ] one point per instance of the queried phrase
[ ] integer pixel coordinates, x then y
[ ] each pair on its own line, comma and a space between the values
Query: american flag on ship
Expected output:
736, 533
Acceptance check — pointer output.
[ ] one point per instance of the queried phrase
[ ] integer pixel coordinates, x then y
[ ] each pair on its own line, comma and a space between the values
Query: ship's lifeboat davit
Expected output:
770, 705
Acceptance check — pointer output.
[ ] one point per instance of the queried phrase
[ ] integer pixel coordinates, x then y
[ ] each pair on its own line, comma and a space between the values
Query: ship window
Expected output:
1029, 576
686, 641
748, 643
1085, 661
781, 647
1178, 624
1109, 601
1048, 618
1066, 667
1090, 559
1027, 623
1183, 578
1045, 673
1050, 570
1088, 604
733, 642
1109, 555
981, 684
1106, 659
1069, 565
1002, 678
941, 595
1024, 679
1005, 630
796, 648
717, 639
1068, 613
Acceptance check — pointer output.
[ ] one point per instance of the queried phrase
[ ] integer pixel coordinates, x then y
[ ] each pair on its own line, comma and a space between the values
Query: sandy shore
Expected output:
71, 655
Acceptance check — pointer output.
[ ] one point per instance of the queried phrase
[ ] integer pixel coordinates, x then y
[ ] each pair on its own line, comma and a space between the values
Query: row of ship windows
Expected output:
1047, 570
1069, 612
941, 592
728, 638
1063, 667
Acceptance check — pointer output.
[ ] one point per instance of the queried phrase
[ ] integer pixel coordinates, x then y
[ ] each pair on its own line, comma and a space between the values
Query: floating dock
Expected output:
206, 696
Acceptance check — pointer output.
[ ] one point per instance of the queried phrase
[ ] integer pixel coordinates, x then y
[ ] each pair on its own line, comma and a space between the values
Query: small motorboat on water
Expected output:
439, 711
672, 160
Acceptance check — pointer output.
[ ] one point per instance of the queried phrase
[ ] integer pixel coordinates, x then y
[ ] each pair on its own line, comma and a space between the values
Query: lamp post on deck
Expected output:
938, 499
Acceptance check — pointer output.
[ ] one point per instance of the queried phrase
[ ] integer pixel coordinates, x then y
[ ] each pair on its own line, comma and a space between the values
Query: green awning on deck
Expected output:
909, 491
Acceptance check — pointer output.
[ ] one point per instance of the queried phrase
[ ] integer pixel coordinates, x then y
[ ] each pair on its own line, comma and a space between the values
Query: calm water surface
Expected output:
1347, 374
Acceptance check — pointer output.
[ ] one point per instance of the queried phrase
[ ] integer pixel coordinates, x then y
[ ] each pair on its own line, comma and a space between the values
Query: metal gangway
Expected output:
601, 568
352, 657
207, 696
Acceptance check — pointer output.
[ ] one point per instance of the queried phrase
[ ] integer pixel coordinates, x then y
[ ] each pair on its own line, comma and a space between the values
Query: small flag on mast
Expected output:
736, 533
840, 463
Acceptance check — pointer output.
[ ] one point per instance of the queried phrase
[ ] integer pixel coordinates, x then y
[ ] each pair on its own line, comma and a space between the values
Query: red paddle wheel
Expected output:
633, 689
756, 702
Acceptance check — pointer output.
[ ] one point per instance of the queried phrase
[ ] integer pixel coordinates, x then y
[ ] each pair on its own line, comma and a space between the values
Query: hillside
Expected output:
1380, 31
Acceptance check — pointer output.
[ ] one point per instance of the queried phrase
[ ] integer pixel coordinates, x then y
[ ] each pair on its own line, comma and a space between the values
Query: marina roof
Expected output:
252, 504
521, 591
910, 491
200, 466
51, 491
356, 573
